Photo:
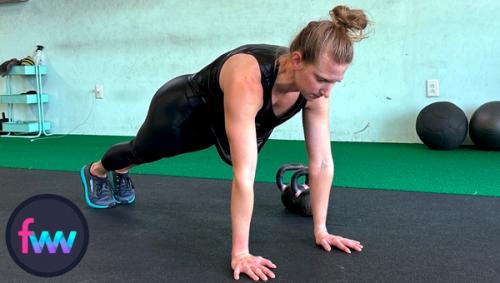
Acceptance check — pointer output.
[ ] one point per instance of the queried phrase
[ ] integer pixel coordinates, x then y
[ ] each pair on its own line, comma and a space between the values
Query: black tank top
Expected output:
205, 83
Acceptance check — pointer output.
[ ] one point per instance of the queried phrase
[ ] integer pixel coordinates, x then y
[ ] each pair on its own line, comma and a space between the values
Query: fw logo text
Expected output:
44, 239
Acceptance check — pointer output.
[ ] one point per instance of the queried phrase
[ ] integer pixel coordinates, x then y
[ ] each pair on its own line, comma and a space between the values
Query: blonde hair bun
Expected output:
353, 20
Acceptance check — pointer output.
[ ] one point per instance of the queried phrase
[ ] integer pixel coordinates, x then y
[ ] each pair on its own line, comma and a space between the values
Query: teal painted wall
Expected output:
133, 47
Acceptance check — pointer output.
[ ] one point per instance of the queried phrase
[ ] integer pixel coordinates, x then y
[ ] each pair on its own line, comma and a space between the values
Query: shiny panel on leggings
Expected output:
177, 122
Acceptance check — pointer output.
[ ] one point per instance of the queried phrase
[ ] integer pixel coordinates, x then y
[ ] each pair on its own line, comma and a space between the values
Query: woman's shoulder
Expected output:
260, 51
240, 68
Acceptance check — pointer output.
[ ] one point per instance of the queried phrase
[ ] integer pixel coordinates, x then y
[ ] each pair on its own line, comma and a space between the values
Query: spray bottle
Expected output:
38, 57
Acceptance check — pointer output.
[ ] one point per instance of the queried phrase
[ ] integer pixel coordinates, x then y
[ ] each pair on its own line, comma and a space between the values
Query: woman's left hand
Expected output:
327, 241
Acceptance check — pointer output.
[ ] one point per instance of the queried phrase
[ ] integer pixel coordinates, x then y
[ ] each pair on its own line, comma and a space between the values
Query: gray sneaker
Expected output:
98, 191
123, 188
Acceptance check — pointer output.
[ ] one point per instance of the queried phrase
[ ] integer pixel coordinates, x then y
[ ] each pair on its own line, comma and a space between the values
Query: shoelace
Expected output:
124, 182
103, 186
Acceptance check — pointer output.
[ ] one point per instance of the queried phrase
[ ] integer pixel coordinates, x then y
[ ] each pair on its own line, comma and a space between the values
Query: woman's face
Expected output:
316, 80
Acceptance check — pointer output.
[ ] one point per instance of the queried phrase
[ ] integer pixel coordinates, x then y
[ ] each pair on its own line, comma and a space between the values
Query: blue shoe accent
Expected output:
97, 190
123, 188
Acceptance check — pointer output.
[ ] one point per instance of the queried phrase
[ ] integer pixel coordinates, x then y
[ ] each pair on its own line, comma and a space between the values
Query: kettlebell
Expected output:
295, 196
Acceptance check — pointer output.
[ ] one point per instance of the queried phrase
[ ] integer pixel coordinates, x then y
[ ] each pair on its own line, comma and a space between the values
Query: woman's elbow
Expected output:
322, 165
242, 183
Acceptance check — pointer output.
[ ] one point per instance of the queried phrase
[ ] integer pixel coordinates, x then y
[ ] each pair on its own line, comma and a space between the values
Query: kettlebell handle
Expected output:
294, 185
282, 170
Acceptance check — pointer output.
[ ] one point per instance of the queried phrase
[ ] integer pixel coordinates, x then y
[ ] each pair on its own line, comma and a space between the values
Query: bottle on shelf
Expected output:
38, 57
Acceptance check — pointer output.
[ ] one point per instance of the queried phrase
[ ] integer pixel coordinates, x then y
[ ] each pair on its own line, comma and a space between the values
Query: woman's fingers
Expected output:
352, 244
326, 245
337, 241
266, 262
328, 240
236, 273
260, 273
257, 268
267, 271
251, 274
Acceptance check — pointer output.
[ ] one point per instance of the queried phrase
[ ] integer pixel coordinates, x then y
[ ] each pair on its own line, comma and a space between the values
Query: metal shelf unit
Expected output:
25, 128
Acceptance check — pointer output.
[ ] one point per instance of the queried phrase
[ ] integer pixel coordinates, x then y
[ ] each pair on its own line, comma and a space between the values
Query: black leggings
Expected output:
177, 122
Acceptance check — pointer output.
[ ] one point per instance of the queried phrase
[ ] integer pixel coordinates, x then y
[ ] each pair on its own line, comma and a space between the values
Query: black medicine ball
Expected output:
442, 125
485, 126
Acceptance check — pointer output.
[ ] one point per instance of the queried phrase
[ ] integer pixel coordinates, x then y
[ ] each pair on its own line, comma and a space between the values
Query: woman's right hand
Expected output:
256, 267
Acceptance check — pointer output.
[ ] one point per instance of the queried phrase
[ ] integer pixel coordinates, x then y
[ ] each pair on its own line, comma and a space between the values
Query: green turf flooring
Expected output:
410, 167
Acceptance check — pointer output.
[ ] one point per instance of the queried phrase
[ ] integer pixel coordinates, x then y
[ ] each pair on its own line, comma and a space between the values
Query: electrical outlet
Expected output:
99, 91
432, 88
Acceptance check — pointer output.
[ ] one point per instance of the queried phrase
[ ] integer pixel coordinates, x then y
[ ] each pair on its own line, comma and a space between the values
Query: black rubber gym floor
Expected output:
179, 231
